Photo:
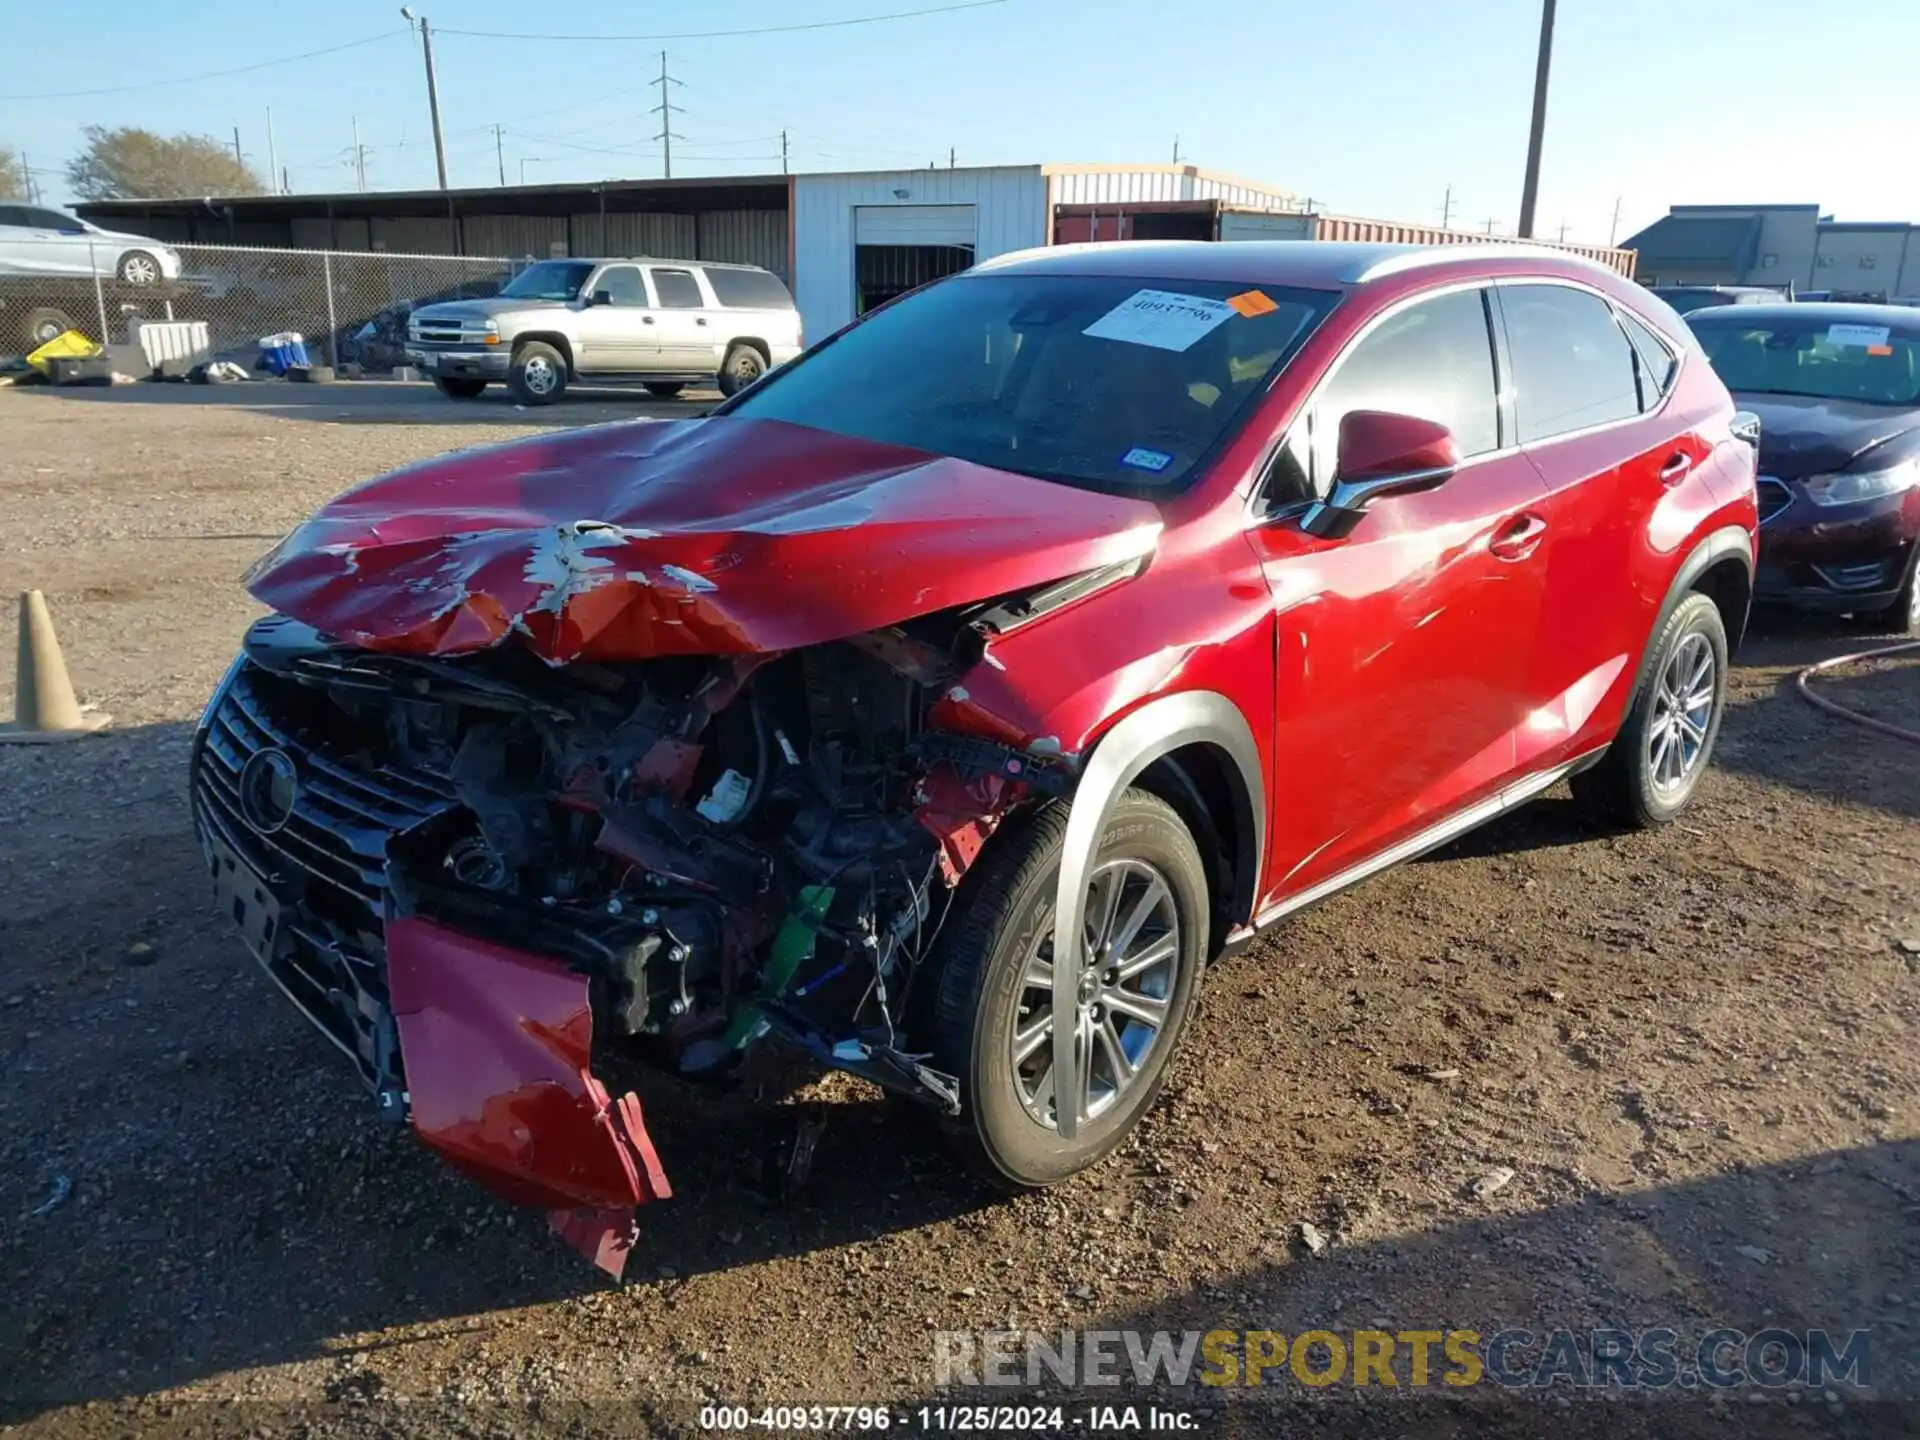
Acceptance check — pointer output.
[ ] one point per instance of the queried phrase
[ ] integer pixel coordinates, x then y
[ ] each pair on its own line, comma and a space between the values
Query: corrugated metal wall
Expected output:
1159, 185
317, 233
1392, 232
668, 236
518, 236
410, 235
1010, 202
746, 237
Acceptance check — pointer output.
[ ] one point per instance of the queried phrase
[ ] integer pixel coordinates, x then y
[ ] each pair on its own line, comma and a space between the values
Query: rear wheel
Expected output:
990, 999
455, 387
744, 365
1655, 763
137, 267
665, 389
538, 375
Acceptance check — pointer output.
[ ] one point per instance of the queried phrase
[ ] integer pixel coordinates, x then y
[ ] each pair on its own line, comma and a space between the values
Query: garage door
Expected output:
913, 225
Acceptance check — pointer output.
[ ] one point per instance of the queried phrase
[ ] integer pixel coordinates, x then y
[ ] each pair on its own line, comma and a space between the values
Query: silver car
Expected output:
38, 241
662, 324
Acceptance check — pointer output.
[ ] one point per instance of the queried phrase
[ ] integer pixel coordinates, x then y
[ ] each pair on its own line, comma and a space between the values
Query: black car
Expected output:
1837, 390
1688, 298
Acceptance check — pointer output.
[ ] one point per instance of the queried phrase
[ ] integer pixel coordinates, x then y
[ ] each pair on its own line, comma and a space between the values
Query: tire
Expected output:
1644, 781
538, 375
979, 996
456, 388
744, 365
665, 389
137, 267
45, 322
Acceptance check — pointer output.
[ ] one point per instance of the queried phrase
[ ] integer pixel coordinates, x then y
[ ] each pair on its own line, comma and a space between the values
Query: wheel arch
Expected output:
1190, 732
1720, 566
545, 337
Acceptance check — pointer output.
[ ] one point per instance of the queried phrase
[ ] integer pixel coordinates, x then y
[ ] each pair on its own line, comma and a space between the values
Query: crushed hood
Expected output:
703, 537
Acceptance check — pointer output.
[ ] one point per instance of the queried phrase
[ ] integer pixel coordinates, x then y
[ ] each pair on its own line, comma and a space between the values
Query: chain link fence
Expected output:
351, 307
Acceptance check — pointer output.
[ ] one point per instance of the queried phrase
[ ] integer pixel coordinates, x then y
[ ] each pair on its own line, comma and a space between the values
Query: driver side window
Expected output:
1434, 359
622, 285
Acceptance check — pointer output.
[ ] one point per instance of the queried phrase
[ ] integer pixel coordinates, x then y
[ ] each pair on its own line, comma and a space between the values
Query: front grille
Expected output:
325, 868
447, 337
1775, 496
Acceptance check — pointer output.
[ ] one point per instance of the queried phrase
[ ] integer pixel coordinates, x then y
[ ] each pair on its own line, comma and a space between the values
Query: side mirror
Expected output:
1746, 426
600, 297
1380, 454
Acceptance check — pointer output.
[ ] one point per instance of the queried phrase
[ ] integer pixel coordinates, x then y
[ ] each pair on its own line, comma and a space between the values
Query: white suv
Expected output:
37, 241
663, 324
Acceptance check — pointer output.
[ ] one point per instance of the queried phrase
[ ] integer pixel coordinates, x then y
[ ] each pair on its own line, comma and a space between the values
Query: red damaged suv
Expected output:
1137, 594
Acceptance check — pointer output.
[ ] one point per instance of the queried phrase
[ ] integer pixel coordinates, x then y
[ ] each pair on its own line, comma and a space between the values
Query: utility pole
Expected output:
286, 184
666, 110
1530, 189
1563, 232
359, 157
950, 157
1446, 209
26, 177
1176, 149
236, 147
273, 154
783, 152
1490, 223
433, 90
499, 155
1613, 229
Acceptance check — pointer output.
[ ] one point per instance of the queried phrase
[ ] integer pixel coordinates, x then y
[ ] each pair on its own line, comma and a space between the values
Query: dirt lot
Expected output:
1697, 1050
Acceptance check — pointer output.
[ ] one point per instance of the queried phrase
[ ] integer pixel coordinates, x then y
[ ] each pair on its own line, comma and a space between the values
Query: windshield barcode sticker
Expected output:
1867, 335
1161, 318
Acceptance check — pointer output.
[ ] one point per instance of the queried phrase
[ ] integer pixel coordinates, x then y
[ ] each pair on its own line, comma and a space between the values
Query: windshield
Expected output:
549, 280
1821, 358
1102, 381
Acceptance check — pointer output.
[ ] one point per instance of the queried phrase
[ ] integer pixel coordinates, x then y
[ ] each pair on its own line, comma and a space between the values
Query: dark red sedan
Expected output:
944, 703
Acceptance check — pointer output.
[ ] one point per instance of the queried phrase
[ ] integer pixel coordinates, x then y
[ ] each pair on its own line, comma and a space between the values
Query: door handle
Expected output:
1519, 537
646, 319
700, 320
1675, 470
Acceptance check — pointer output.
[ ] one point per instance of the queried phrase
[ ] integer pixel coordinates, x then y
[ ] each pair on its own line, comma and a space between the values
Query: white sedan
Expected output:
37, 241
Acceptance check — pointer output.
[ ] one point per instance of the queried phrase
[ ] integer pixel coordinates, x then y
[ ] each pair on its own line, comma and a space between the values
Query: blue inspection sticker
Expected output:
1141, 458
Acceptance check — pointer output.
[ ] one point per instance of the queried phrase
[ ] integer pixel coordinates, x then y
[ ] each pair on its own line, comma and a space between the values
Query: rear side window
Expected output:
1572, 366
749, 290
1435, 360
677, 289
12, 215
1655, 364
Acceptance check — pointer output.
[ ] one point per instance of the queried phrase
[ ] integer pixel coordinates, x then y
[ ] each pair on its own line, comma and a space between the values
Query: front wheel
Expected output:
538, 375
137, 267
742, 367
1903, 616
1655, 763
992, 1019
455, 387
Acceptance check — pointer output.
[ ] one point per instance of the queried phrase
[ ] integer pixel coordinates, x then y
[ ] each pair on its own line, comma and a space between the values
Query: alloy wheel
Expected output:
1683, 702
139, 270
539, 375
1133, 958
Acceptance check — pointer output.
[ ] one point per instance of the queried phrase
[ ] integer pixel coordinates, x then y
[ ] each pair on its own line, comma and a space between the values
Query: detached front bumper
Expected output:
484, 1049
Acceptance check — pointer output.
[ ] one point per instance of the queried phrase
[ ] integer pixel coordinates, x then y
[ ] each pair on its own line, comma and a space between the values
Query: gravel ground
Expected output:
1695, 1051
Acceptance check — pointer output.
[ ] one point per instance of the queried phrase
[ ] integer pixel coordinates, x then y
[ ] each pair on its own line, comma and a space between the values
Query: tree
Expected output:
13, 176
135, 164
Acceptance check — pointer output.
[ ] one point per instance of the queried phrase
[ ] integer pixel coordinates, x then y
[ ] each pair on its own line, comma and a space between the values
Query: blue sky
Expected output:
1373, 107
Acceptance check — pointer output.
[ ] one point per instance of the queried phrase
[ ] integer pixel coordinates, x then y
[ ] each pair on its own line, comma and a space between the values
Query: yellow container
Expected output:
69, 344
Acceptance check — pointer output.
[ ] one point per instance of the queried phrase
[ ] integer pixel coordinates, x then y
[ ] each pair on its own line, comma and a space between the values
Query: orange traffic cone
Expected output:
44, 708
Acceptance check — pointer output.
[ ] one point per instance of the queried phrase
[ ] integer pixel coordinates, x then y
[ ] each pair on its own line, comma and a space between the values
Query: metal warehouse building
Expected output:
843, 242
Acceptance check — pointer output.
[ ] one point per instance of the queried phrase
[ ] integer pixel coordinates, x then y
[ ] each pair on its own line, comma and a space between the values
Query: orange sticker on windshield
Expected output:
1252, 302
1879, 349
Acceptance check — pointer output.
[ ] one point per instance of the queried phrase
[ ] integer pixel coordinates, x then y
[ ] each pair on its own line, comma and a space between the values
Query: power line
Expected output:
209, 75
722, 34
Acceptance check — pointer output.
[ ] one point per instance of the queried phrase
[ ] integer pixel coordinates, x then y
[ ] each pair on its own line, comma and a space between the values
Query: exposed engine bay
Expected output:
725, 849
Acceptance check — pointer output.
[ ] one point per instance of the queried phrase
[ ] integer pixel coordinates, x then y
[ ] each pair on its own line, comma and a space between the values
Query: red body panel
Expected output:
683, 538
496, 1044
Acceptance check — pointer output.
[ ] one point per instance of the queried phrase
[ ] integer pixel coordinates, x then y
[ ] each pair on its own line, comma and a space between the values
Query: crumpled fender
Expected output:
496, 1045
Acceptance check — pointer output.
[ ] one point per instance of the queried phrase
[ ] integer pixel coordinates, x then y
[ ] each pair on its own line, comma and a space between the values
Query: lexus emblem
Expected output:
269, 784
